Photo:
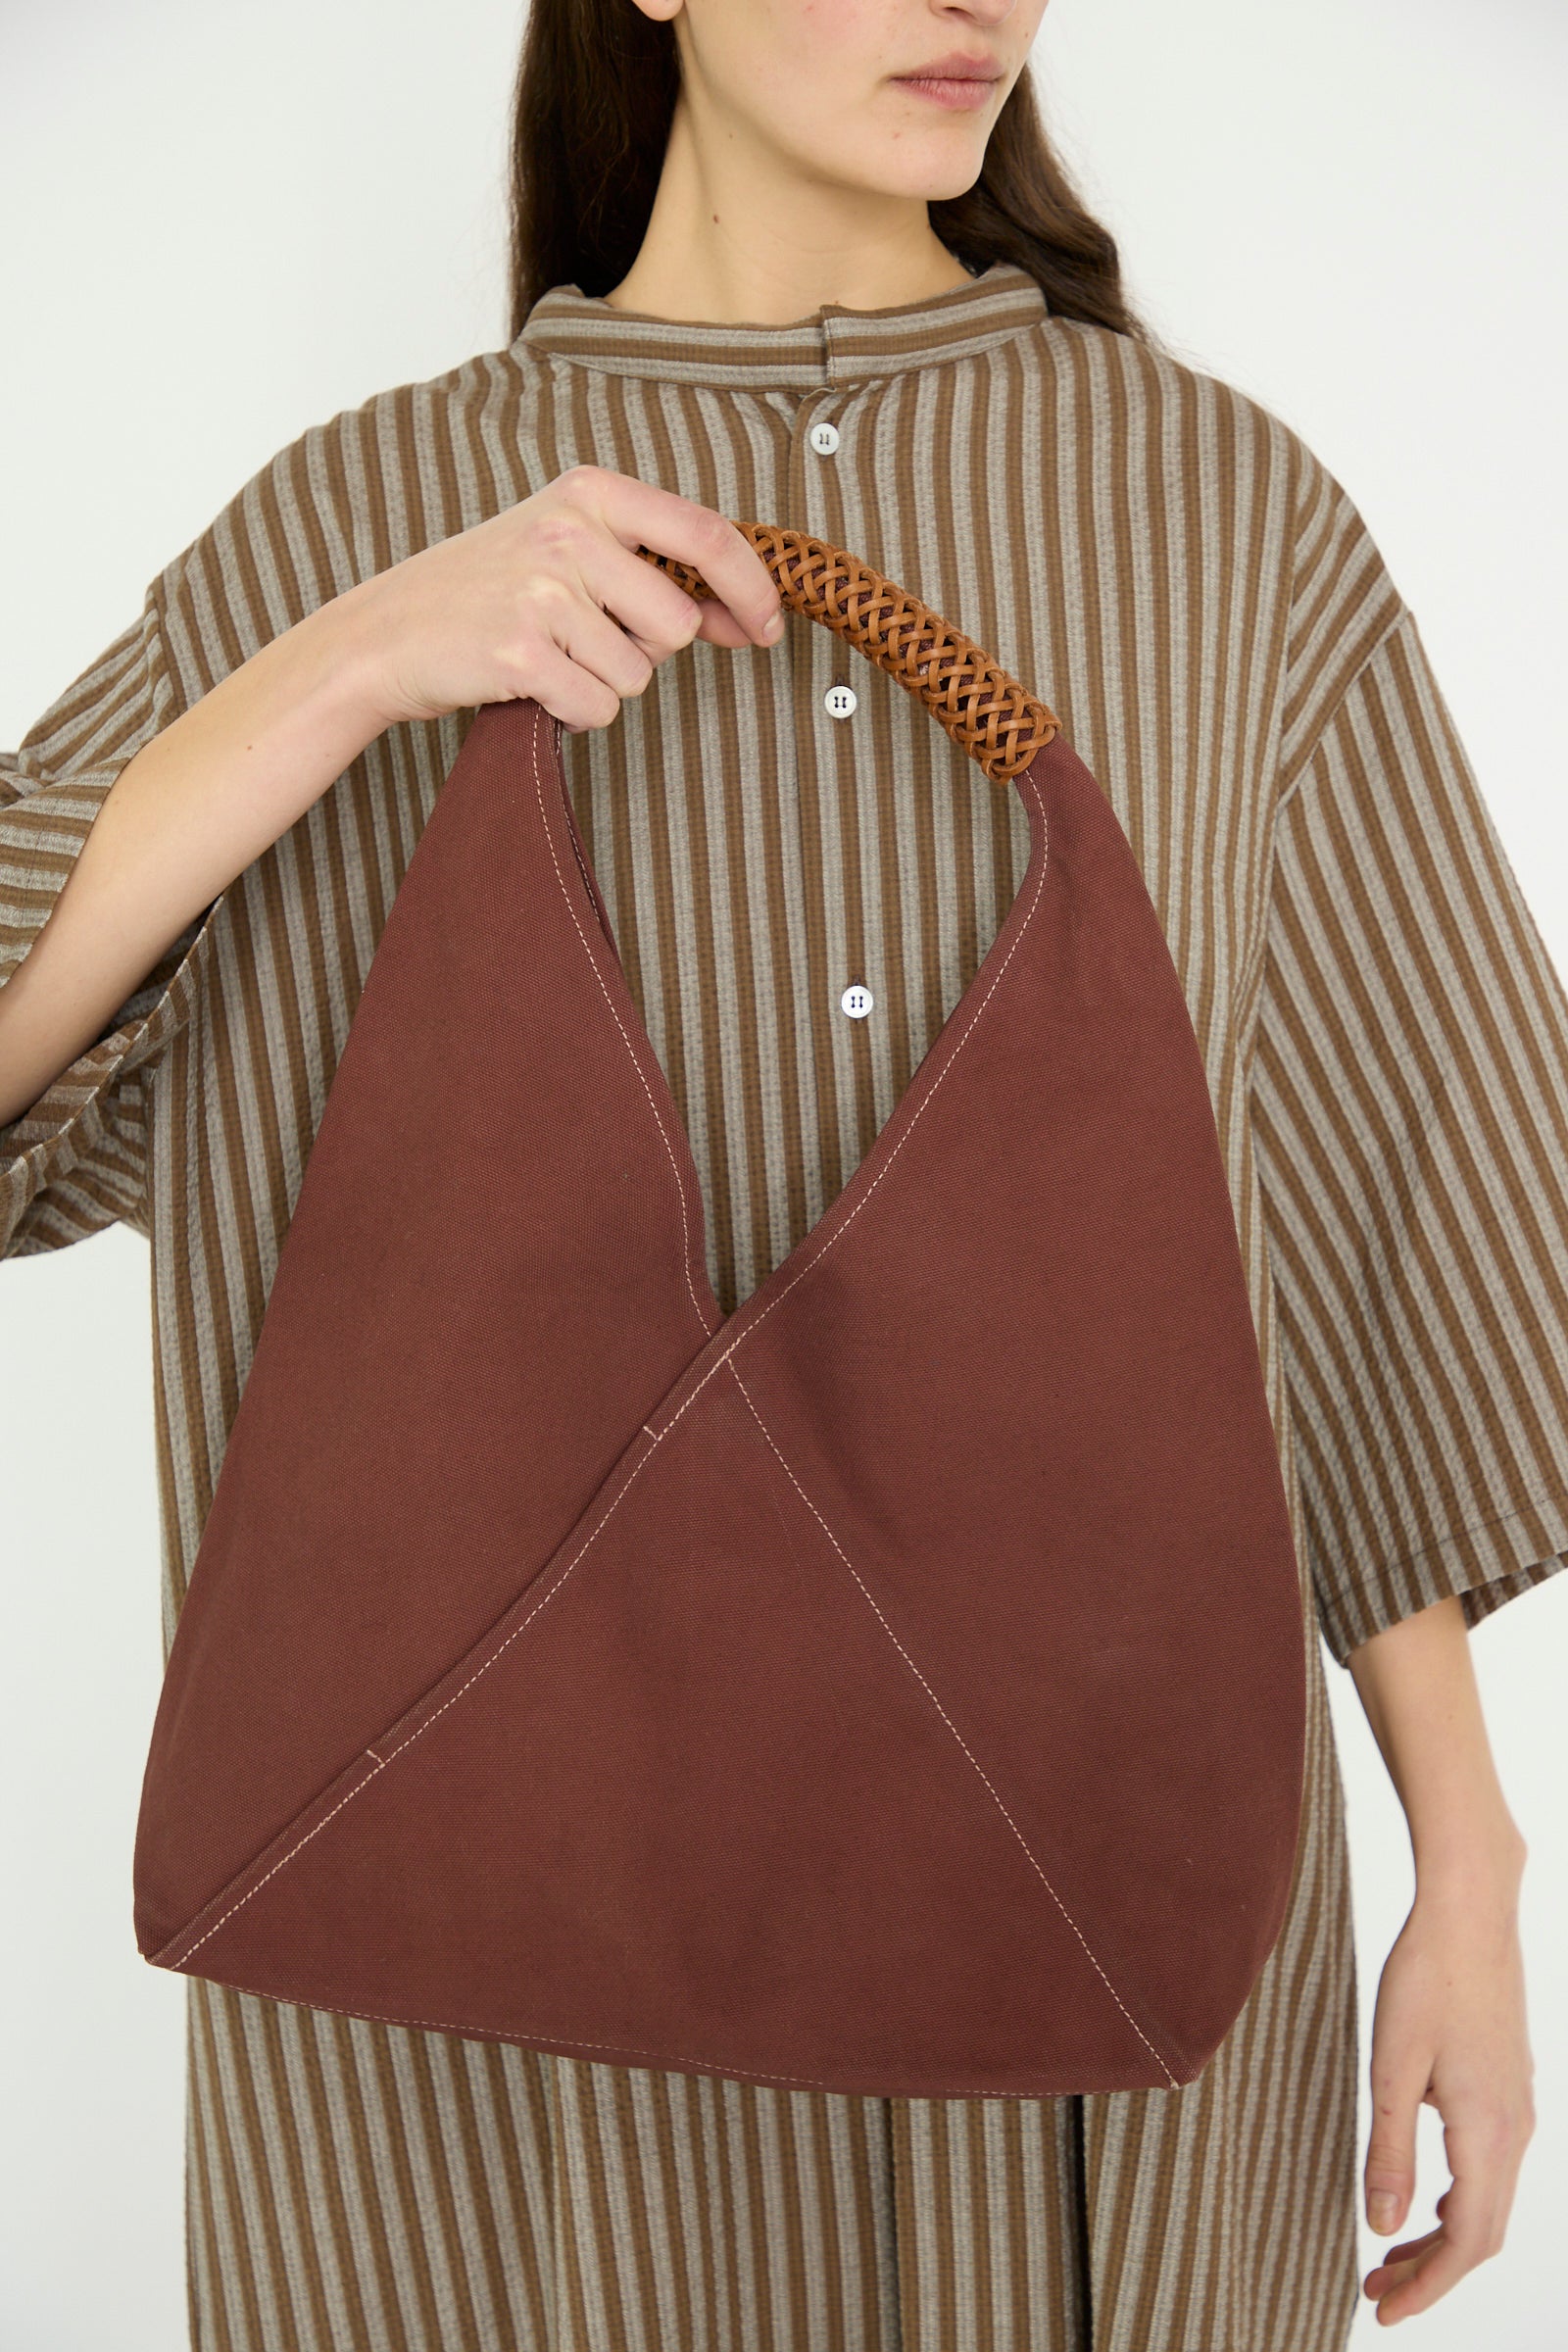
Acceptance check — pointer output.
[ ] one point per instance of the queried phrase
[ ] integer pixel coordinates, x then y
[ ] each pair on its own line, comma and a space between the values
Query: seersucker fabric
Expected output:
1384, 1039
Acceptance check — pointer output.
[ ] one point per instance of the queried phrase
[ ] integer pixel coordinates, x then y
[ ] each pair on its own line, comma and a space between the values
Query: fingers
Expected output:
552, 600
654, 611
1400, 2262
1402, 2288
1484, 2148
641, 514
654, 615
490, 613
719, 626
562, 687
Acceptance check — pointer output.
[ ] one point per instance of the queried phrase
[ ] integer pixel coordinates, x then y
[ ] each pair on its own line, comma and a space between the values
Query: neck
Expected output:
738, 235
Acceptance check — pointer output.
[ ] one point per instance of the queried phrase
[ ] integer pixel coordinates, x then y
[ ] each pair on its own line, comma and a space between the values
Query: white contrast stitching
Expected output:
923, 1105
425, 2025
381, 1765
653, 1104
659, 1436
952, 1726
484, 1667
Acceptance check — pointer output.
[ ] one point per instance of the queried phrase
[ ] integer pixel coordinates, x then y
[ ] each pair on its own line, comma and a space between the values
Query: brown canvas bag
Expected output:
894, 1687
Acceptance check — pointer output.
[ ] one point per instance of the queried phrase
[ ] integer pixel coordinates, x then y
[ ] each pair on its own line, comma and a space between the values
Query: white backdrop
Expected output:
222, 225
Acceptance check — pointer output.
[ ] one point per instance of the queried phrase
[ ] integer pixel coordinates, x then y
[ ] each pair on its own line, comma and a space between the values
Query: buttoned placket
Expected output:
831, 364
826, 695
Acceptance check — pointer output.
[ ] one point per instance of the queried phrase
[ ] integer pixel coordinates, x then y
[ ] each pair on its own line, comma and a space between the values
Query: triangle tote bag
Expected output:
895, 1685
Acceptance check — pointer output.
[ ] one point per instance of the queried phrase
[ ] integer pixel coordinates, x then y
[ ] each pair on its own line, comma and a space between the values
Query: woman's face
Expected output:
829, 83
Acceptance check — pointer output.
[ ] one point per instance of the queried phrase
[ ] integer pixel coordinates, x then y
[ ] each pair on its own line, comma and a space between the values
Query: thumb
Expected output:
1398, 2086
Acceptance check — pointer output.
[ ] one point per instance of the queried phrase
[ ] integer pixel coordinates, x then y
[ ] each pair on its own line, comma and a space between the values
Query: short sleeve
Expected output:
76, 1160
1409, 1105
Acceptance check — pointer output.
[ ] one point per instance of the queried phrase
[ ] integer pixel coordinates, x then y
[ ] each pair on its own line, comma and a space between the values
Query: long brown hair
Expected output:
595, 95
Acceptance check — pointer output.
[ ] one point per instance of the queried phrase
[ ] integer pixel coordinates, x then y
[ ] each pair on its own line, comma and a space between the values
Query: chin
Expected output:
938, 177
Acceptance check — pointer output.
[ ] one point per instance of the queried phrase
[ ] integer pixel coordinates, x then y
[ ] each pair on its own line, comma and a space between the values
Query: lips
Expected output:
955, 66
966, 93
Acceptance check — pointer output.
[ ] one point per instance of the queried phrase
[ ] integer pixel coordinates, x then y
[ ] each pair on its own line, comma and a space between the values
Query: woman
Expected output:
819, 268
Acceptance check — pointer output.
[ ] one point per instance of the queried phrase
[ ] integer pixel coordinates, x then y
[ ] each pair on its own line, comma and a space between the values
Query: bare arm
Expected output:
1418, 1684
547, 598
1449, 2026
206, 795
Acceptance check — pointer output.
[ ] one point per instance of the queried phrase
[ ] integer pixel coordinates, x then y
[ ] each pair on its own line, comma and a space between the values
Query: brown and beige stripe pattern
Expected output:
1175, 573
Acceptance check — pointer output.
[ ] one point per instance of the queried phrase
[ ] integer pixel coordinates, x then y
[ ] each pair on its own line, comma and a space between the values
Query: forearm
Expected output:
188, 813
545, 600
1417, 1681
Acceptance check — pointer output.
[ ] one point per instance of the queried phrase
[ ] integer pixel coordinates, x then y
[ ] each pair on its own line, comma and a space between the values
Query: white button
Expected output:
856, 999
839, 700
825, 438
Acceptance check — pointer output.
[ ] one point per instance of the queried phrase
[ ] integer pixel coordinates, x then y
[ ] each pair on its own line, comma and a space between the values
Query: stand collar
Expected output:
835, 345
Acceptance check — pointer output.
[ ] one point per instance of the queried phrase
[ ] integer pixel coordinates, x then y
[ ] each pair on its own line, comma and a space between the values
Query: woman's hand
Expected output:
1449, 2024
1450, 2030
549, 599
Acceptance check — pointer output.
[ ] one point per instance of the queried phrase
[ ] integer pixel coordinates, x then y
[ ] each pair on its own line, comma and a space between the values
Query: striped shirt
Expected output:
1171, 568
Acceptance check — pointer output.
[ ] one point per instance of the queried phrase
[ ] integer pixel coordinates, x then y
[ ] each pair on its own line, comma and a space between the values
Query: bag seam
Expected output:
378, 1761
995, 1795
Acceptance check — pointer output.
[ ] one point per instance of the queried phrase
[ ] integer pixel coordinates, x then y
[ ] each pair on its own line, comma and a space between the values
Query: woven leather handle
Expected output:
999, 723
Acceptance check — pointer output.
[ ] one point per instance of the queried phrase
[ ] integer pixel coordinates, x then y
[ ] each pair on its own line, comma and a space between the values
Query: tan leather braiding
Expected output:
999, 723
